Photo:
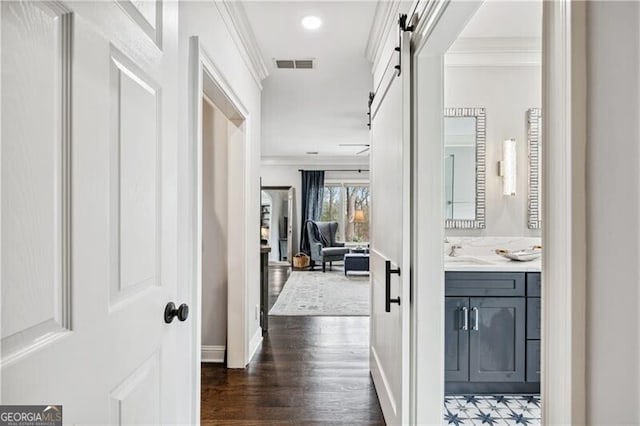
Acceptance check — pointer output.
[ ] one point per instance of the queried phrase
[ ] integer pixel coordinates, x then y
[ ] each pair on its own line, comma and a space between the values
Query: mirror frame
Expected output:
534, 121
481, 169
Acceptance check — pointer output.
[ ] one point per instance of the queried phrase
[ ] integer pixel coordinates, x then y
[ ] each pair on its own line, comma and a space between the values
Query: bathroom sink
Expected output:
467, 260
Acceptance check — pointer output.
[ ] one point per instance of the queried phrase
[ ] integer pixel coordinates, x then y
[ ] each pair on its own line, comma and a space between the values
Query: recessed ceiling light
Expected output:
311, 22
312, 152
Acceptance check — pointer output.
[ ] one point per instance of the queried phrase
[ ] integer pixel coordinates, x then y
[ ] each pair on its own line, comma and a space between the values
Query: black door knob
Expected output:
170, 312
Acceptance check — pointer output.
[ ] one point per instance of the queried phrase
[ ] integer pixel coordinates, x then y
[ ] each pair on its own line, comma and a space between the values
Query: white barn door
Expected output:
88, 156
390, 238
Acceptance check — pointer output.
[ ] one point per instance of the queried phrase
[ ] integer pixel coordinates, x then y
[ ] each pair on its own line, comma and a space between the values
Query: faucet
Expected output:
453, 252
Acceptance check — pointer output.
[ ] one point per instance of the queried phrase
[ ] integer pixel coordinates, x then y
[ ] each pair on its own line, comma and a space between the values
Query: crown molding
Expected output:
383, 21
357, 162
235, 18
495, 52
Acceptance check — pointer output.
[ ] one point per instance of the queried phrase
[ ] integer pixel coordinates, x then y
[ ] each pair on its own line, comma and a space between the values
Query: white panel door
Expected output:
390, 240
89, 140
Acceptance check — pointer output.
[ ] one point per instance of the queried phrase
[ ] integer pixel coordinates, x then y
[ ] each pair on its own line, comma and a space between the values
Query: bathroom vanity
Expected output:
492, 326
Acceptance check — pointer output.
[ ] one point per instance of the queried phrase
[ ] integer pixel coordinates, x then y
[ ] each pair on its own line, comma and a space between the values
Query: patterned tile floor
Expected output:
492, 410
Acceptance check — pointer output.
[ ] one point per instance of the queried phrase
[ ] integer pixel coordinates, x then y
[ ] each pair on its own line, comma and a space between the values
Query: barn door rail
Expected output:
403, 27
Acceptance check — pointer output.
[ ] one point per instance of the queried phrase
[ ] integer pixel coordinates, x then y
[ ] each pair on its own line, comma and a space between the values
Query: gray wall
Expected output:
506, 92
214, 226
613, 197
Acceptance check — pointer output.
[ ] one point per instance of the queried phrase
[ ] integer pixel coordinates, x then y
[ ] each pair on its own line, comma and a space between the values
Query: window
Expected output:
357, 213
347, 204
332, 203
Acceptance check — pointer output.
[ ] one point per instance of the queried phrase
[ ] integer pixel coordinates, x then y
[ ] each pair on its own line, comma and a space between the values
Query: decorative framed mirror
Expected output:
534, 135
465, 168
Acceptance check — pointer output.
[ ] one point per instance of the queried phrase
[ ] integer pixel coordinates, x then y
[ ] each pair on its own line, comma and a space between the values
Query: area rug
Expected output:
314, 293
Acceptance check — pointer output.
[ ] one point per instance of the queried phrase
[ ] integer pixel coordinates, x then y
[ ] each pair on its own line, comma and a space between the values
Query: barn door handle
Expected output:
170, 312
388, 272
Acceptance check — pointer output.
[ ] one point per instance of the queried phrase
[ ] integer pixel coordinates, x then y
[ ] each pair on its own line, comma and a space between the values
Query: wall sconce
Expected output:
507, 167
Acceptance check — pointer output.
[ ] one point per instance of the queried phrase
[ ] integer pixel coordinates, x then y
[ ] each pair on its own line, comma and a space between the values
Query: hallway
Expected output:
311, 370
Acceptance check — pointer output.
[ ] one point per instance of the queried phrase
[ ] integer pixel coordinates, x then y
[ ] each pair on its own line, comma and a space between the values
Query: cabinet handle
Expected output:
465, 318
476, 318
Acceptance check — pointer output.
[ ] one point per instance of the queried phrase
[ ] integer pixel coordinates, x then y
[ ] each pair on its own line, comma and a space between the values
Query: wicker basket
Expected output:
301, 261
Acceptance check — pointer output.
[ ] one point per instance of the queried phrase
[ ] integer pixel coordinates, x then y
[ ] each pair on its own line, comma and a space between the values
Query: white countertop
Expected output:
493, 263
478, 254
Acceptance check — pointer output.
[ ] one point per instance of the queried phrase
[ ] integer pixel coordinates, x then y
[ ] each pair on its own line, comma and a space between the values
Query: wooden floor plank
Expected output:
308, 371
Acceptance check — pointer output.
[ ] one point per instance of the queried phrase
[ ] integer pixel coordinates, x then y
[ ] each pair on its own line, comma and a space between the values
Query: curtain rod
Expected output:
335, 170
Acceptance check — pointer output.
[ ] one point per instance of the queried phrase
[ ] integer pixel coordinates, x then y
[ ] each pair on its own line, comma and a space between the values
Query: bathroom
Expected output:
492, 209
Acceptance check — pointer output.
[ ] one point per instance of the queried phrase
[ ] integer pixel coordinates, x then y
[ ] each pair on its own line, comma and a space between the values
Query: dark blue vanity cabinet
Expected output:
492, 332
456, 339
534, 321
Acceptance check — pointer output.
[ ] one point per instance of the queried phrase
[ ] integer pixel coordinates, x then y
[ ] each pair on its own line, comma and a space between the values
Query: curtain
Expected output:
312, 193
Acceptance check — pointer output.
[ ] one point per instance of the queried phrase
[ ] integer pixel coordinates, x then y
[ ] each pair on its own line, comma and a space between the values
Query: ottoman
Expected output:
356, 262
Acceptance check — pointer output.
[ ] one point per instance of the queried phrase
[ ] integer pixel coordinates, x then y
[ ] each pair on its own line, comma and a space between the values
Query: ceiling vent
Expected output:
285, 64
300, 64
305, 64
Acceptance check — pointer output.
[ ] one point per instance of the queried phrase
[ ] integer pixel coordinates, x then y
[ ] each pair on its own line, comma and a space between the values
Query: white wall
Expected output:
507, 92
214, 226
315, 111
203, 19
288, 175
613, 215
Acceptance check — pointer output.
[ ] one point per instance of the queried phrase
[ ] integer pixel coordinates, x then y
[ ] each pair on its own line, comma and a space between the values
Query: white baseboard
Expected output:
213, 353
254, 344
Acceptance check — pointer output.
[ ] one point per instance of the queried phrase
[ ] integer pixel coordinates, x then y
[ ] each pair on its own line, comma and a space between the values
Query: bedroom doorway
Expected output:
277, 222
218, 214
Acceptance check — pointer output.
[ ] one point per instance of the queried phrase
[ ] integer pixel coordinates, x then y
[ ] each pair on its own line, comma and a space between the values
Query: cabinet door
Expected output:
534, 286
533, 361
485, 284
497, 339
456, 339
534, 320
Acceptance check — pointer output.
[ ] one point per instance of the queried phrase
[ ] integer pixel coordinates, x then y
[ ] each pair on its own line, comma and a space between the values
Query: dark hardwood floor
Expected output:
309, 370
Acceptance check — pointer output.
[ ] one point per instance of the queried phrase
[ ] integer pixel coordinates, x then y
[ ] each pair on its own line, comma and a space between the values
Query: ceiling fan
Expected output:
366, 145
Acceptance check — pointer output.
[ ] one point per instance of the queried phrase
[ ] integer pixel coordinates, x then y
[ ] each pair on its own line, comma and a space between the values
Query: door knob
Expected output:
170, 312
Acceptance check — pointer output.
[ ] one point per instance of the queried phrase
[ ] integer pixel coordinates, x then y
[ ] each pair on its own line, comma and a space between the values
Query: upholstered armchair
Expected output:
324, 247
